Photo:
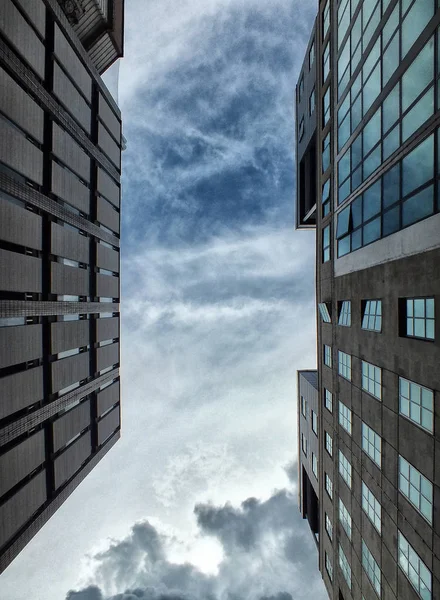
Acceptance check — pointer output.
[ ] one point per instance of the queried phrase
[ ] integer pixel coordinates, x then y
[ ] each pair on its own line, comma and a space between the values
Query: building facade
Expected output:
378, 295
60, 166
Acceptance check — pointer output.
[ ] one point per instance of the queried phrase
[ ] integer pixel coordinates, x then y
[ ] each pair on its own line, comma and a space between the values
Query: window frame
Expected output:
371, 568
325, 311
328, 400
371, 444
368, 314
369, 369
414, 474
344, 312
406, 556
314, 420
406, 318
345, 469
345, 567
371, 507
328, 443
327, 356
328, 484
326, 244
345, 519
329, 527
344, 365
412, 404
345, 417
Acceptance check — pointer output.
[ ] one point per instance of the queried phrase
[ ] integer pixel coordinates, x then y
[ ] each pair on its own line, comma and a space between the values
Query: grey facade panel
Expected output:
109, 146
108, 425
107, 329
70, 370
108, 397
68, 243
108, 187
19, 107
107, 356
70, 424
107, 215
17, 510
20, 226
71, 459
20, 344
20, 390
19, 273
65, 335
68, 151
36, 12
107, 286
107, 258
109, 118
69, 280
68, 58
22, 36
69, 96
21, 460
19, 153
68, 187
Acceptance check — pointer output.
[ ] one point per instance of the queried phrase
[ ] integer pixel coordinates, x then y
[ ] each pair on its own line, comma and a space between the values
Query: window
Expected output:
325, 199
416, 403
328, 567
344, 365
329, 443
325, 19
301, 87
329, 486
371, 506
301, 129
326, 62
345, 566
304, 407
345, 518
419, 318
312, 101
328, 400
371, 567
372, 315
371, 444
304, 444
414, 568
372, 379
314, 422
324, 311
315, 465
312, 54
327, 355
328, 526
326, 107
326, 153
345, 313
345, 417
416, 488
345, 468
326, 244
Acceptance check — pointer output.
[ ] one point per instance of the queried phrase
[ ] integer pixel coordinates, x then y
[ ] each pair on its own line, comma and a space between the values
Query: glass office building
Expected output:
368, 156
60, 166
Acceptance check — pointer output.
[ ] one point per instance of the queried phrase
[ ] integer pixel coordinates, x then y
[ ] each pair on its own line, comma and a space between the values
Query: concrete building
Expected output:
376, 206
60, 165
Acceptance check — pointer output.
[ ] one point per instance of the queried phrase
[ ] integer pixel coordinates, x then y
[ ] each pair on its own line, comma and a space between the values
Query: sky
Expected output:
198, 500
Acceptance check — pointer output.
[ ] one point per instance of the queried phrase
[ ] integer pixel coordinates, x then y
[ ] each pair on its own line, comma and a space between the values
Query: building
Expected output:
60, 165
375, 173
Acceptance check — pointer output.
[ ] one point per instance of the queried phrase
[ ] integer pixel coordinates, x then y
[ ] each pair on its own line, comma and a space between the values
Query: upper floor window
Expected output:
345, 518
301, 87
345, 313
315, 465
328, 567
304, 443
326, 244
345, 468
326, 153
372, 315
324, 311
371, 567
372, 444
301, 129
328, 526
344, 365
326, 107
372, 379
345, 417
416, 403
304, 407
329, 486
325, 19
416, 571
326, 62
328, 400
325, 198
329, 443
416, 488
312, 54
314, 422
312, 101
345, 566
371, 506
328, 355
419, 318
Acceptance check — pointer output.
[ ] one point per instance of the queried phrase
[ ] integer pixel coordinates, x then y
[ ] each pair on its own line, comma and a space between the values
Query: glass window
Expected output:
391, 221
304, 407
329, 486
327, 355
391, 186
418, 207
312, 102
312, 54
418, 114
344, 365
418, 166
371, 88
390, 108
329, 443
328, 567
314, 422
301, 87
420, 320
315, 465
371, 131
324, 312
418, 75
372, 197
372, 315
345, 417
344, 167
390, 59
371, 567
415, 22
325, 19
414, 568
372, 444
345, 468
301, 129
326, 62
416, 403
326, 107
371, 231
328, 400
326, 153
371, 507
391, 142
304, 444
417, 489
345, 566
345, 518
328, 526
345, 314
372, 379
325, 199
326, 244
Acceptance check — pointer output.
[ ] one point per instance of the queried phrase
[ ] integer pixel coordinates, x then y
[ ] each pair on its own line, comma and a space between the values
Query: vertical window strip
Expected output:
416, 488
414, 568
416, 403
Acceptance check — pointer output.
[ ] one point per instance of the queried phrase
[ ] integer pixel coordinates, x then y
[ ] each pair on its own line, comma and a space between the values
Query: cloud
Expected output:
266, 555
